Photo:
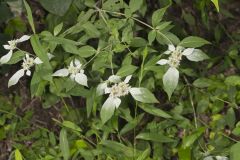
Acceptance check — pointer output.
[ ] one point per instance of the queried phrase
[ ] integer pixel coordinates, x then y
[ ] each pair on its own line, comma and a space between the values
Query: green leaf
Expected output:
143, 95
64, 146
107, 110
135, 5
155, 137
151, 36
184, 153
234, 151
144, 154
57, 7
71, 125
170, 80
189, 140
91, 30
126, 70
86, 51
57, 29
138, 42
193, 42
61, 40
157, 16
197, 56
154, 111
215, 2
18, 155
29, 16
232, 80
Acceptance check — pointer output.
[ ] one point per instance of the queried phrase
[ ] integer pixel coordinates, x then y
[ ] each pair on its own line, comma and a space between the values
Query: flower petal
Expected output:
38, 61
188, 51
128, 78
6, 58
23, 38
162, 61
15, 78
61, 73
114, 79
117, 102
167, 52
77, 63
7, 47
101, 88
81, 79
107, 110
28, 73
171, 47
107, 90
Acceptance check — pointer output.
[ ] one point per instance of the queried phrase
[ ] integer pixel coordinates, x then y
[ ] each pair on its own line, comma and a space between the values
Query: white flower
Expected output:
170, 78
28, 62
11, 46
75, 71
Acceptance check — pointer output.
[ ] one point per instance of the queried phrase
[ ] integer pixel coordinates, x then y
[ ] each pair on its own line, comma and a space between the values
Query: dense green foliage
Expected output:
119, 79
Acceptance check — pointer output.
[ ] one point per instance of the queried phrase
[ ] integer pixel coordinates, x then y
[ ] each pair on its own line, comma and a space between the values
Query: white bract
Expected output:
75, 71
11, 46
170, 78
28, 62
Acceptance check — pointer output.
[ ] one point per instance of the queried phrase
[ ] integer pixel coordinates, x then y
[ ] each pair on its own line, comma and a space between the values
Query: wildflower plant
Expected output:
110, 49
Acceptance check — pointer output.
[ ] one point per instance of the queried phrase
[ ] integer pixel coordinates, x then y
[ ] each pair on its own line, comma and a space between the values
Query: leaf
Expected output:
151, 36
170, 80
86, 51
71, 125
91, 30
135, 5
57, 29
215, 2
144, 154
197, 56
155, 137
189, 140
126, 70
18, 155
60, 40
29, 16
157, 16
193, 42
64, 146
234, 151
57, 7
138, 42
143, 95
107, 110
154, 111
232, 80
184, 153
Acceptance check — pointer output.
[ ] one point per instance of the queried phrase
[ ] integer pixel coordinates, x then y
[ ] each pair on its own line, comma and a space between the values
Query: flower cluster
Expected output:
11, 46
75, 71
27, 63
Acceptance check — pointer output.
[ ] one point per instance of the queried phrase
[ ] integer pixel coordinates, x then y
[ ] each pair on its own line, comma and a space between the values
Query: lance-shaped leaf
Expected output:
143, 95
197, 55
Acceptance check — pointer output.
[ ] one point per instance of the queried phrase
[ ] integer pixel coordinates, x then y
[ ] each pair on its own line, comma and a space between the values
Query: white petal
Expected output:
81, 79
128, 78
7, 47
114, 79
6, 58
162, 61
107, 90
117, 102
23, 38
38, 61
50, 56
61, 73
188, 51
171, 47
28, 73
167, 52
77, 63
101, 88
72, 77
15, 78
71, 64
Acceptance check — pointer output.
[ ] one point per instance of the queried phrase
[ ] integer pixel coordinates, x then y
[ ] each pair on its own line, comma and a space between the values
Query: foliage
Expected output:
117, 79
